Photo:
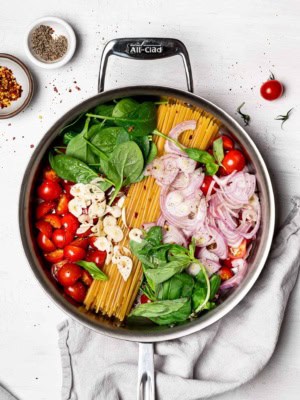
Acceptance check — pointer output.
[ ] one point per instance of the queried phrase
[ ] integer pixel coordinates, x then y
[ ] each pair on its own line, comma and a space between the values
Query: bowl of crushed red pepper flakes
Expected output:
16, 86
50, 42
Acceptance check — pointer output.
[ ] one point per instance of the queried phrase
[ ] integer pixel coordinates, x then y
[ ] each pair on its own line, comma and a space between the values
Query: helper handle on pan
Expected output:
146, 381
145, 49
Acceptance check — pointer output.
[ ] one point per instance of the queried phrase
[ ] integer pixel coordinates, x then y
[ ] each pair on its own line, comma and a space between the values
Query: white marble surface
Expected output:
232, 45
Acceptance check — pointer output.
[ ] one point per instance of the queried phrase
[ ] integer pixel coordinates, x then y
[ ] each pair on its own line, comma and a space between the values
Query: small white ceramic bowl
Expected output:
60, 27
24, 78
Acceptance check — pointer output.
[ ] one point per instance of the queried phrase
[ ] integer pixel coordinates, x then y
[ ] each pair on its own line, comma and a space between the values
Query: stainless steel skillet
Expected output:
148, 49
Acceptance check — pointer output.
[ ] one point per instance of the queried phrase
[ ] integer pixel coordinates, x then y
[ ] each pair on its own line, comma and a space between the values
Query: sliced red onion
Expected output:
196, 179
211, 266
164, 169
241, 266
148, 225
186, 164
203, 236
175, 133
171, 234
232, 237
181, 181
221, 248
239, 188
204, 253
161, 220
245, 228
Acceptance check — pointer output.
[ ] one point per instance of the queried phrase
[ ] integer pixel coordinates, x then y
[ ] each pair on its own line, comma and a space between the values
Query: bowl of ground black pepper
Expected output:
50, 42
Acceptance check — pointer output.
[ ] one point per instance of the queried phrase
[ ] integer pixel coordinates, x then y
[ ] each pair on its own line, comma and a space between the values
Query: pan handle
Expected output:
146, 381
145, 49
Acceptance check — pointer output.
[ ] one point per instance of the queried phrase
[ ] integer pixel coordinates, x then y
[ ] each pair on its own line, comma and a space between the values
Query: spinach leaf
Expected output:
218, 150
92, 268
128, 161
68, 136
144, 144
71, 168
215, 282
104, 109
106, 139
152, 153
79, 148
180, 285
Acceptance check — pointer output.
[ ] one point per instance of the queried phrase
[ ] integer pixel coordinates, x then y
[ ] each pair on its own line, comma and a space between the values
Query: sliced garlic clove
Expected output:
102, 243
109, 254
78, 190
114, 232
136, 235
193, 269
109, 220
125, 267
74, 208
124, 217
83, 228
121, 201
116, 211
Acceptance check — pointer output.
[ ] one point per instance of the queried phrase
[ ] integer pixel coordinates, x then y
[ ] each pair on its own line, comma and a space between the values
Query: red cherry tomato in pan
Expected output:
238, 252
55, 256
86, 278
68, 274
145, 299
206, 184
44, 208
45, 243
225, 273
234, 160
54, 220
228, 143
61, 238
45, 228
76, 291
50, 175
81, 242
92, 240
96, 256
73, 253
70, 222
67, 186
49, 190
271, 90
62, 206
227, 263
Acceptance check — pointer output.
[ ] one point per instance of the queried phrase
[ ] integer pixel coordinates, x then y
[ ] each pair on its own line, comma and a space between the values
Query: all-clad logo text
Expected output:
140, 48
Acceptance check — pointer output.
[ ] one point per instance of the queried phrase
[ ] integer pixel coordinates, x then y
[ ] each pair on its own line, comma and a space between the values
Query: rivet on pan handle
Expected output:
146, 380
145, 49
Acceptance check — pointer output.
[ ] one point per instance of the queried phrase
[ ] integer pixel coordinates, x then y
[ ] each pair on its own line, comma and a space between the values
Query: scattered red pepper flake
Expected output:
10, 89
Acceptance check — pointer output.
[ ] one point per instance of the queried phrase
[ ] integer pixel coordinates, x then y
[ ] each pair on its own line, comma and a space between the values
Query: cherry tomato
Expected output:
67, 186
234, 160
206, 184
96, 256
81, 242
227, 263
54, 220
45, 243
145, 299
271, 90
44, 208
49, 190
62, 206
86, 278
73, 253
225, 273
61, 238
56, 267
76, 291
238, 252
50, 175
70, 222
68, 274
228, 143
55, 256
44, 227
92, 240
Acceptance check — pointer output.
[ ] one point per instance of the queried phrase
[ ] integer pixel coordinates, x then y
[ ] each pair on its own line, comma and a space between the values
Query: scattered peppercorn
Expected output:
45, 45
10, 89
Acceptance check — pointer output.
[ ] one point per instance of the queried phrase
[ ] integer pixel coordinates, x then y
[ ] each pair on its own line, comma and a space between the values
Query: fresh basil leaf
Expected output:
211, 168
180, 285
180, 315
199, 294
166, 271
106, 139
215, 282
92, 268
200, 156
71, 168
158, 308
154, 235
218, 150
79, 148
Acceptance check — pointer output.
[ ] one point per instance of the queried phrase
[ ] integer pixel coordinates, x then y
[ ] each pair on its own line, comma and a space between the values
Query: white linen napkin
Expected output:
212, 361
196, 366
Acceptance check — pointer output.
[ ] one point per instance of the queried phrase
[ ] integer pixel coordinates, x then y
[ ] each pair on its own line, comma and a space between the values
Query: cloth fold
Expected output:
202, 365
217, 359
